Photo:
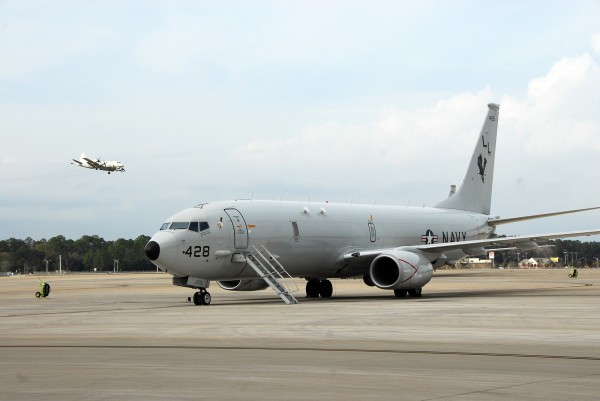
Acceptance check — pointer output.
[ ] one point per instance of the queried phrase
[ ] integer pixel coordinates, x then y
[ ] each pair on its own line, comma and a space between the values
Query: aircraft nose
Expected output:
152, 250
162, 249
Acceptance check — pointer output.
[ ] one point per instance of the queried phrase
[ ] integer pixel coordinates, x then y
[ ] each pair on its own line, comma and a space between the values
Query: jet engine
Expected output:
400, 270
243, 285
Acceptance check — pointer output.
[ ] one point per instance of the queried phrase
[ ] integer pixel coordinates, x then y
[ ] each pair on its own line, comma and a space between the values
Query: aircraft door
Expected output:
240, 229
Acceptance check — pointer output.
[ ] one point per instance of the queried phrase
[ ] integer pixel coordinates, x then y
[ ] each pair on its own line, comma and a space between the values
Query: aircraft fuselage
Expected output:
308, 239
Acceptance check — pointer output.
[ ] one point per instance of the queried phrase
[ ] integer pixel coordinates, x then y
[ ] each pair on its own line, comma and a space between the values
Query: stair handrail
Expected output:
281, 270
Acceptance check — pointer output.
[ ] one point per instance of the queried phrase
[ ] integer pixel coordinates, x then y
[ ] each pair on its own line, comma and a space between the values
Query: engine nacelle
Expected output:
243, 285
400, 270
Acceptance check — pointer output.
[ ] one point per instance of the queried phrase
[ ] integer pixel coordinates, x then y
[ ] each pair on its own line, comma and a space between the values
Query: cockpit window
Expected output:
164, 226
179, 225
198, 226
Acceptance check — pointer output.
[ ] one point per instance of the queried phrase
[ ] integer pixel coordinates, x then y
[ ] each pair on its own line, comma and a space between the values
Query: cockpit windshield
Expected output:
184, 225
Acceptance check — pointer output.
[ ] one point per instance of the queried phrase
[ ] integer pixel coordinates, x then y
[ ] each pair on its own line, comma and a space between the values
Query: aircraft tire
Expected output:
197, 298
400, 293
415, 292
325, 289
312, 288
38, 294
206, 298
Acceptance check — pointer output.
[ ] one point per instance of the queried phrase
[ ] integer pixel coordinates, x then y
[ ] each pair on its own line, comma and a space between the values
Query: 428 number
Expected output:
197, 251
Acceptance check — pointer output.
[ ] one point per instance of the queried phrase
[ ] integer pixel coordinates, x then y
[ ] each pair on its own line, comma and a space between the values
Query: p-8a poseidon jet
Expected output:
247, 245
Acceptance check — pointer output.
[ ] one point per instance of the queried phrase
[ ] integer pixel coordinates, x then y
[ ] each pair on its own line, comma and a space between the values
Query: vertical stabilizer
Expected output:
475, 192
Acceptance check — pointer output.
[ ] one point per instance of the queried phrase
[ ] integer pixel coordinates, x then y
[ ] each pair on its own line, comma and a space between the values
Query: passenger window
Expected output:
179, 225
193, 226
203, 226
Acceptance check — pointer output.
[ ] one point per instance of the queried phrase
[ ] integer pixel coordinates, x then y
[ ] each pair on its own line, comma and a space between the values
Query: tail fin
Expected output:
475, 193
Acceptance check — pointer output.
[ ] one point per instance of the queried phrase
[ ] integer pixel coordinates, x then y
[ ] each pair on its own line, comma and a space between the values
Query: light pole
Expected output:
47, 261
572, 257
566, 258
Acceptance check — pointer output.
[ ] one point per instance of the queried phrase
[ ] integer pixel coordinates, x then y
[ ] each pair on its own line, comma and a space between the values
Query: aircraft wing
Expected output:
77, 161
92, 163
475, 246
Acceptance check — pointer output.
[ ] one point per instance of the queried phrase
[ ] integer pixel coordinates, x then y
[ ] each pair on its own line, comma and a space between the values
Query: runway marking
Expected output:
69, 312
506, 387
358, 350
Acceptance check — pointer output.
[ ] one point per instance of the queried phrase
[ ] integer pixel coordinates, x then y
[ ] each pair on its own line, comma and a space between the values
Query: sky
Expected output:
340, 101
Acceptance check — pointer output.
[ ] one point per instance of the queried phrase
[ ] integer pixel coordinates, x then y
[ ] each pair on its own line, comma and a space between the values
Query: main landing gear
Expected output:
319, 288
202, 297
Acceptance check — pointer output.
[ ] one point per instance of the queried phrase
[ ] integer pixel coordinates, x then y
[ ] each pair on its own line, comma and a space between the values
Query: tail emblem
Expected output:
481, 163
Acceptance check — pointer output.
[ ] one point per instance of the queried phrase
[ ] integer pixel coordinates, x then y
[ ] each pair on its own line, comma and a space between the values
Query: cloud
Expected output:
595, 41
548, 139
559, 114
398, 137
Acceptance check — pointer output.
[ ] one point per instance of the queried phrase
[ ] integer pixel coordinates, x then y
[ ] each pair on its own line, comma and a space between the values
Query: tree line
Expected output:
570, 253
88, 253
92, 253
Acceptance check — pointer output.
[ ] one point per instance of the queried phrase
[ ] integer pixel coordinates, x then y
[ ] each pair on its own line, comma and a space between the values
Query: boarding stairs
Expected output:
272, 273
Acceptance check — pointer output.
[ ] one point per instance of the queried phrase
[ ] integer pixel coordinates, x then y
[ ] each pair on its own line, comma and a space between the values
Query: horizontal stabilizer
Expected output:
497, 222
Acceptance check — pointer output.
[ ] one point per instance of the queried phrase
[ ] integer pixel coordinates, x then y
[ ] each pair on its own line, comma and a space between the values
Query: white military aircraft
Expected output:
247, 245
99, 164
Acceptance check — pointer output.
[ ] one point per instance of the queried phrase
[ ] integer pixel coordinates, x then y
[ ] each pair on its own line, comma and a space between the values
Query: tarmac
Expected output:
473, 335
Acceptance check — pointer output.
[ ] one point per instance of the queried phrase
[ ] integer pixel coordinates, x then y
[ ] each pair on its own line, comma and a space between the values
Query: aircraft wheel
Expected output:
400, 293
415, 292
325, 289
206, 298
38, 294
197, 298
312, 289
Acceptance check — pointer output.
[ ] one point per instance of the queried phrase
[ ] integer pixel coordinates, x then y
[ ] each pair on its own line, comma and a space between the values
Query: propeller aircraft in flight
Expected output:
247, 245
99, 164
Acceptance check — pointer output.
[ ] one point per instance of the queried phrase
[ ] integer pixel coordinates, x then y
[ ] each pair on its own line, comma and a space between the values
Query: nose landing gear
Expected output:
202, 297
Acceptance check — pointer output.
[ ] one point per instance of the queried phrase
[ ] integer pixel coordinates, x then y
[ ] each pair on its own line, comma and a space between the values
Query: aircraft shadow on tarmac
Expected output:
429, 297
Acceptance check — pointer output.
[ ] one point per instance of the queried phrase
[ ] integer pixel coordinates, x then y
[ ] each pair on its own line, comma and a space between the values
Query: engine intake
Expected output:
400, 270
